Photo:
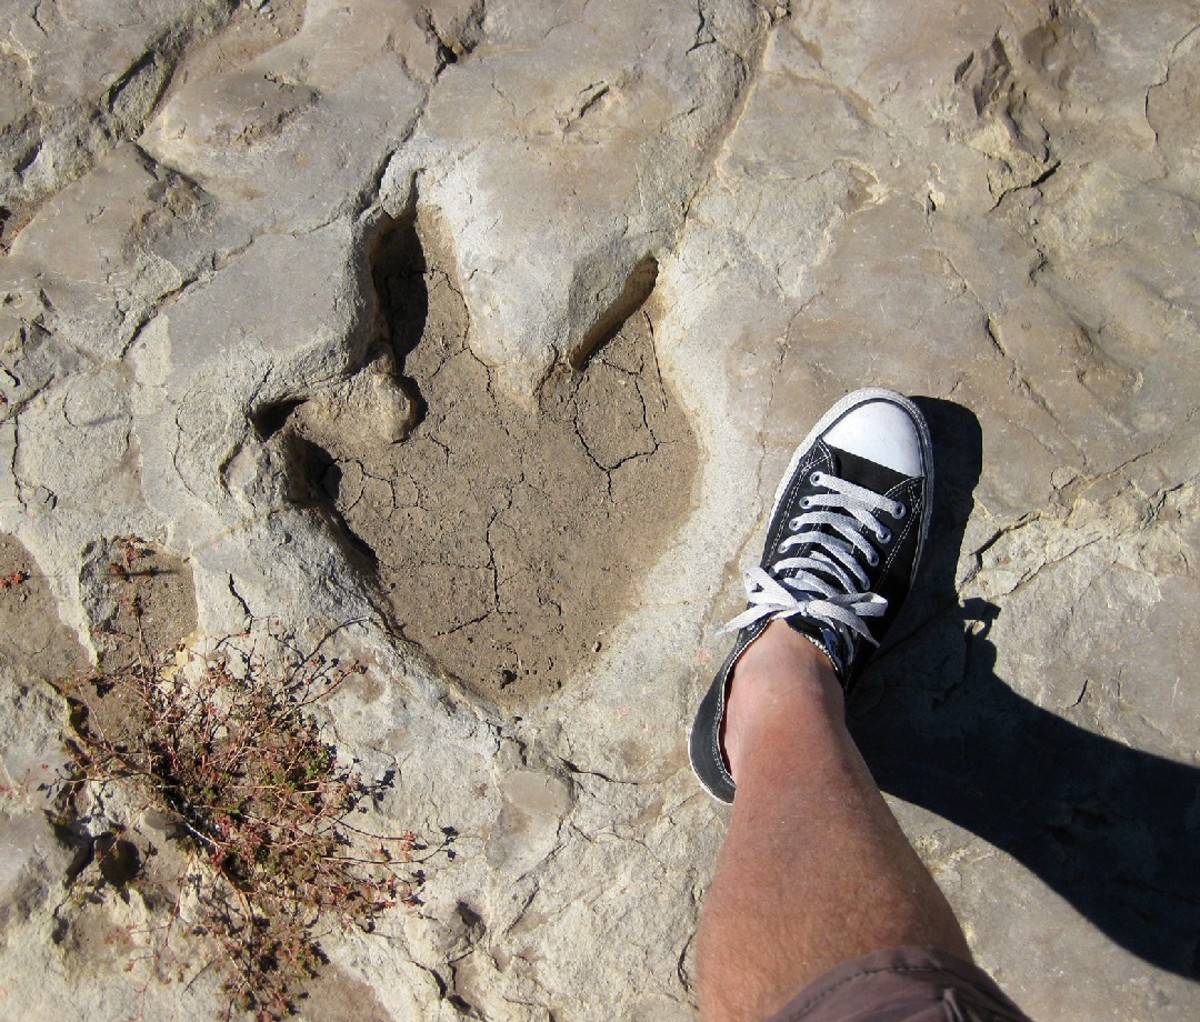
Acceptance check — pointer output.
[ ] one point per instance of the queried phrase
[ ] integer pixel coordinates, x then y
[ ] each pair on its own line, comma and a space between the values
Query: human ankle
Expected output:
782, 681
782, 652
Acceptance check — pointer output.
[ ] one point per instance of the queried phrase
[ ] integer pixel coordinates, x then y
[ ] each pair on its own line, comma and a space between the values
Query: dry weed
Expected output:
224, 741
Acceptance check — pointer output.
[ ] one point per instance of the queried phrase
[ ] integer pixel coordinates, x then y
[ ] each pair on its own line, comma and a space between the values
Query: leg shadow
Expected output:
1113, 830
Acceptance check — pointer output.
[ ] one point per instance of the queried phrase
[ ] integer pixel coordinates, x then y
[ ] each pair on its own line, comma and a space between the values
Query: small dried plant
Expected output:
225, 743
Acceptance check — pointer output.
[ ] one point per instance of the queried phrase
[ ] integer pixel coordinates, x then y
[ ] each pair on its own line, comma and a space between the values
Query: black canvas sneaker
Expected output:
843, 543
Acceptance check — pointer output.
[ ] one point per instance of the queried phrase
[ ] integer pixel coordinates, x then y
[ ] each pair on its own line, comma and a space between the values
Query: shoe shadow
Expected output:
1113, 830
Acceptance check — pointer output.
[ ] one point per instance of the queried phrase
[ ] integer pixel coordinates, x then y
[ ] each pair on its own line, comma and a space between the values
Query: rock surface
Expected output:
733, 212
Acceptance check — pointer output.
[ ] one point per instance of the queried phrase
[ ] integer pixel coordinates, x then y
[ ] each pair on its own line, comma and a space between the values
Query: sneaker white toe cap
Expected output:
880, 432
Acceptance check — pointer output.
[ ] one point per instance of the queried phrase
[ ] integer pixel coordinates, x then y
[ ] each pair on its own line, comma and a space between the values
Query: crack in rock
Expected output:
77, 109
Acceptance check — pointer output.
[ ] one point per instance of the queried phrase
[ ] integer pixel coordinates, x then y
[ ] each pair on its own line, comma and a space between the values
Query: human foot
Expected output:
843, 542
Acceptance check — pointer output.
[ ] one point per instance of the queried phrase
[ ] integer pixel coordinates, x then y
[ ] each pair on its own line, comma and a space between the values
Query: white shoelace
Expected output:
828, 584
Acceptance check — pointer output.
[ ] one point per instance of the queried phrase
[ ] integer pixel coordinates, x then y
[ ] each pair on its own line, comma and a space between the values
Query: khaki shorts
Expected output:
907, 984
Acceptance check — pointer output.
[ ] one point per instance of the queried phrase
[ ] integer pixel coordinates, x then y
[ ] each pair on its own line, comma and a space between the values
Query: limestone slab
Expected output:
992, 206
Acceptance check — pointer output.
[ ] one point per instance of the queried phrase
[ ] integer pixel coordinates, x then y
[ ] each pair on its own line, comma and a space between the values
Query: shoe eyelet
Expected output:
899, 511
815, 478
873, 559
805, 504
884, 536
794, 524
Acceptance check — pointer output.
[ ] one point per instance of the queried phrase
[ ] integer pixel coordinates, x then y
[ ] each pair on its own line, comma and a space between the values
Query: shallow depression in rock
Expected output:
509, 539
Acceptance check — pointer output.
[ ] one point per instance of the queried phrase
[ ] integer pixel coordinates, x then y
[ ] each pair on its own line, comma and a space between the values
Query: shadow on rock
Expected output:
1115, 831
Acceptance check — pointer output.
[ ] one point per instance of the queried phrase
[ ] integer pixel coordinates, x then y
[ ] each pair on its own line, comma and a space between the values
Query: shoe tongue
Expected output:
860, 471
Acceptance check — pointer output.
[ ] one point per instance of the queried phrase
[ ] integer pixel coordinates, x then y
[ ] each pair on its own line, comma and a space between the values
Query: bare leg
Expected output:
814, 870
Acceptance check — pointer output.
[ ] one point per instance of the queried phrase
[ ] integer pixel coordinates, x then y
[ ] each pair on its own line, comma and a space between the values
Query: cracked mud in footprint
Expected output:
509, 541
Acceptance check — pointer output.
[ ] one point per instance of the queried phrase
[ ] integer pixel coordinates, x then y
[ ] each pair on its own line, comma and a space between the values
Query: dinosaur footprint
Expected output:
508, 539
